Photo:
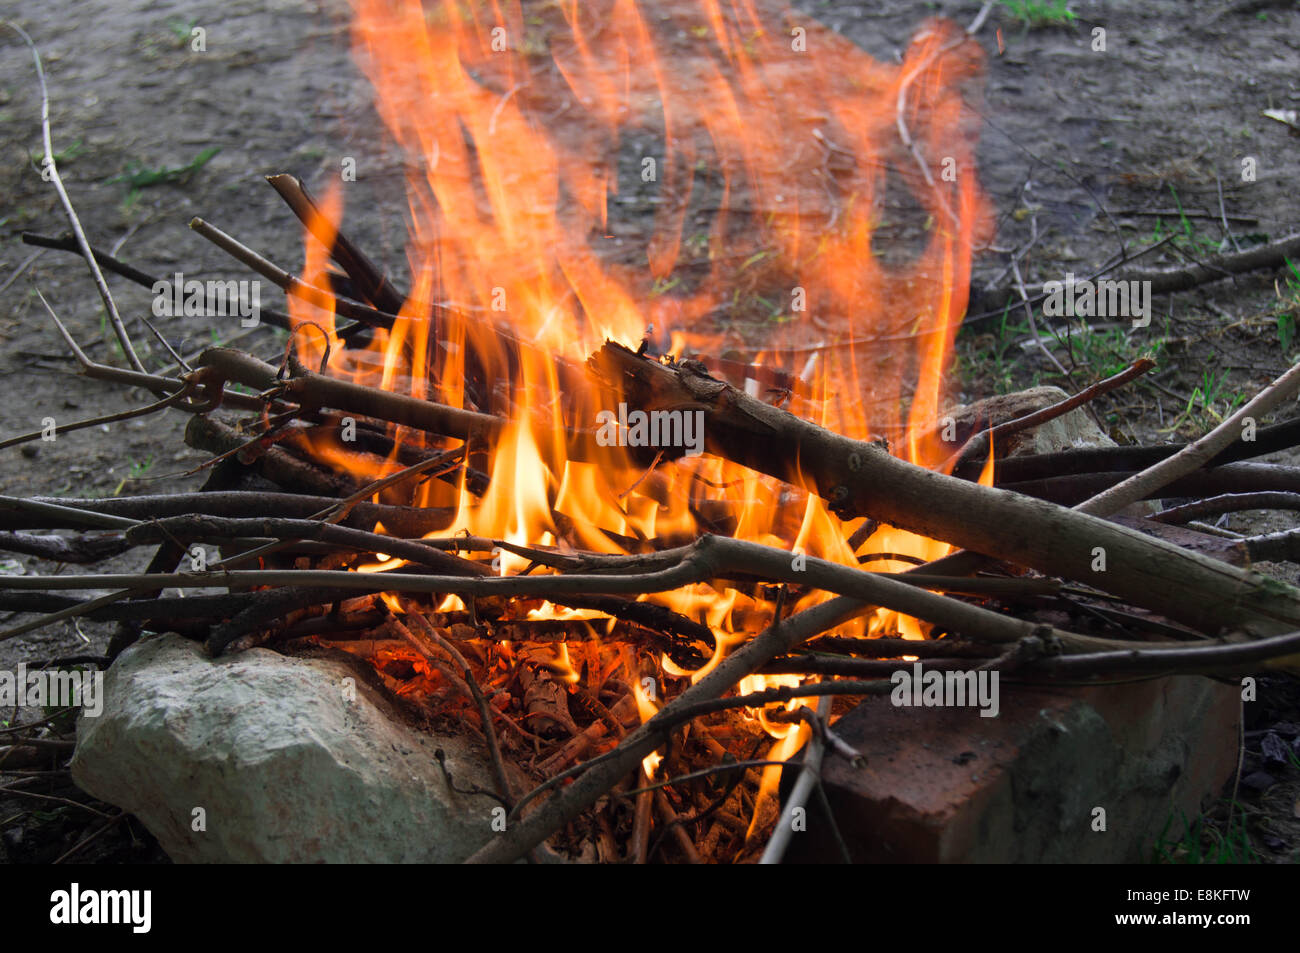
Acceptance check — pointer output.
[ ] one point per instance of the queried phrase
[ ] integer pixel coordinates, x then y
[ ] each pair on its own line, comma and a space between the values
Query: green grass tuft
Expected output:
1203, 843
1035, 13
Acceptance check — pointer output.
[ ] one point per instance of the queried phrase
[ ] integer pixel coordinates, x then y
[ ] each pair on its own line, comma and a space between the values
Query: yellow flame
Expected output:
509, 212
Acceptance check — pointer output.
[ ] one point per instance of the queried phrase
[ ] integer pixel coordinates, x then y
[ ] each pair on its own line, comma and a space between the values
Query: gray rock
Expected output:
286, 767
1071, 431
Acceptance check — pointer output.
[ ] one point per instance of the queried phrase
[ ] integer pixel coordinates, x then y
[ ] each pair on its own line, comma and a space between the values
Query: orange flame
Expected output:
812, 209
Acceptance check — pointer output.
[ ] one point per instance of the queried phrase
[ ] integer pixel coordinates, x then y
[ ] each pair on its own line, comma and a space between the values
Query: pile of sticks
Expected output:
1145, 595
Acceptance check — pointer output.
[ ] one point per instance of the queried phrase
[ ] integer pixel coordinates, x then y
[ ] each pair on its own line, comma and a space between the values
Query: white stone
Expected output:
285, 768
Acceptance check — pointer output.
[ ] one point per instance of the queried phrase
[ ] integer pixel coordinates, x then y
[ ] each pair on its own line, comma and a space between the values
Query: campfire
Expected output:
645, 522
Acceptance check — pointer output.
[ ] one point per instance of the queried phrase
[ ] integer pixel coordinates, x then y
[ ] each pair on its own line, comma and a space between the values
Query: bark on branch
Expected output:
860, 478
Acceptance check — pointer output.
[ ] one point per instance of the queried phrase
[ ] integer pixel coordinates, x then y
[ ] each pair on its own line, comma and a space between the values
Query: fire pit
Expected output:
623, 537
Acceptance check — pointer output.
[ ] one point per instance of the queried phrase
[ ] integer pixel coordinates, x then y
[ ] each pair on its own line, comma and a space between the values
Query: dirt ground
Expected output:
1082, 153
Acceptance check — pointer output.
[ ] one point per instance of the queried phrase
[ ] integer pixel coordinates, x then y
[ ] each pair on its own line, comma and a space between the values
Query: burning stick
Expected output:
624, 710
641, 824
316, 390
672, 821
370, 281
809, 775
856, 477
467, 681
274, 463
861, 478
710, 558
602, 774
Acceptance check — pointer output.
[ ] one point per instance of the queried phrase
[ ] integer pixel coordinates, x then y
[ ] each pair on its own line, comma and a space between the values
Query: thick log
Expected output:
860, 478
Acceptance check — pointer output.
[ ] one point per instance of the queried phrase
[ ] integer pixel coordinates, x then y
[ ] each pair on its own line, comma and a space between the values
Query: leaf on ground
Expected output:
138, 177
1286, 117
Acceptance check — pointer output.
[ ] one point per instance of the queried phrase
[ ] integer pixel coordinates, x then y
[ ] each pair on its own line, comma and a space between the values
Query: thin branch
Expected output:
1223, 213
1196, 454
808, 776
674, 822
150, 382
1004, 294
476, 693
93, 835
123, 512
168, 401
118, 267
603, 773
1276, 651
19, 792
72, 611
288, 531
79, 549
180, 362
339, 511
1163, 281
1033, 324
1228, 503
289, 283
65, 516
373, 283
22, 266
981, 17
1230, 478
48, 164
897, 647
308, 387
708, 558
1280, 436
